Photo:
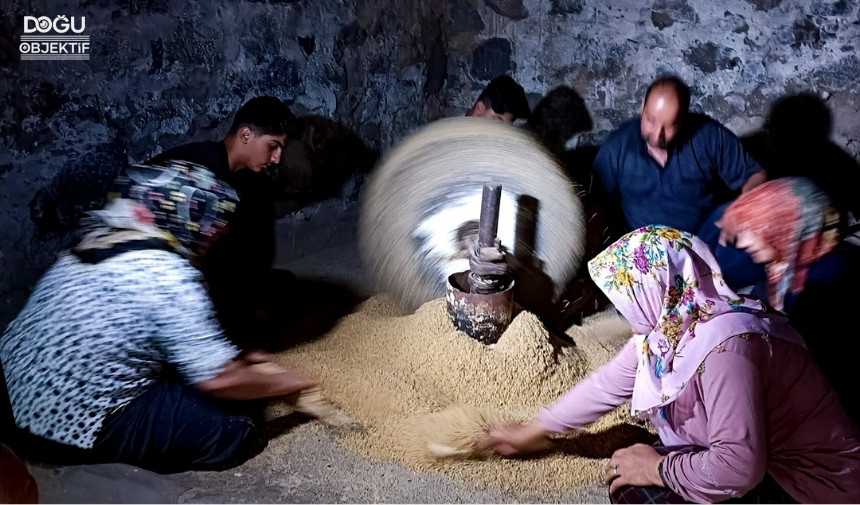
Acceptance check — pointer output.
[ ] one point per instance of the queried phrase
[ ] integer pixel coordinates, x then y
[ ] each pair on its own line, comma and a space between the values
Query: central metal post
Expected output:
480, 300
487, 267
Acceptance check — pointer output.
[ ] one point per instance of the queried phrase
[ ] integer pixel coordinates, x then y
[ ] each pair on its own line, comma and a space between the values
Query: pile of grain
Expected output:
413, 381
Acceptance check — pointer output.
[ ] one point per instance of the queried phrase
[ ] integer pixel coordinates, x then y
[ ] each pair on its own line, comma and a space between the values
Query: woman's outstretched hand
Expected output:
515, 439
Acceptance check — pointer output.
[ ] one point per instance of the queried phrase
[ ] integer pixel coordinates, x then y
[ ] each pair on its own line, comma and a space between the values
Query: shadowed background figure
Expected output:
795, 142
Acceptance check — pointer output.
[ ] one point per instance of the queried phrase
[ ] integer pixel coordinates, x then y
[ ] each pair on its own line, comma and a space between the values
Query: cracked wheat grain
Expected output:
414, 381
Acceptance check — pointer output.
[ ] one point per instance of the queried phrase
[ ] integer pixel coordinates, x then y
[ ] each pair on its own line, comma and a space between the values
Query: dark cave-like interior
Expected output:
361, 76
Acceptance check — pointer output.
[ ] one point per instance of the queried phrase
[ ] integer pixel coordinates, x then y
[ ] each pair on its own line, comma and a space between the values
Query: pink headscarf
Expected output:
793, 217
668, 285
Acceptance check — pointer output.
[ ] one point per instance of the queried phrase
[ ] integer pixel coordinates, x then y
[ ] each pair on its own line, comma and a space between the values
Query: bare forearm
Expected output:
241, 380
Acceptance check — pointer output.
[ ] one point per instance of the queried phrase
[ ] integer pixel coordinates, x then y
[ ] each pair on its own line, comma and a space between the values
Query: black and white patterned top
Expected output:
93, 337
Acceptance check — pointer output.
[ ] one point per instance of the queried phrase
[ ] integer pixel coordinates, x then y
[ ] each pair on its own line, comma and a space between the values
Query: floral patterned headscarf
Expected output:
667, 284
793, 217
179, 205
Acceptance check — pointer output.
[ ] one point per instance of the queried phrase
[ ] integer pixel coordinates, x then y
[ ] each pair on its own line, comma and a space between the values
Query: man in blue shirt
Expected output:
679, 169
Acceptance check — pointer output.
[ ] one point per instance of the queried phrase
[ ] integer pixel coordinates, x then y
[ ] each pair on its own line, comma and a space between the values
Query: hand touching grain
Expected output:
516, 439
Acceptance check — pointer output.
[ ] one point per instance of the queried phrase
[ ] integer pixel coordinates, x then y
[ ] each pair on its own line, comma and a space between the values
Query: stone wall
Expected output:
164, 72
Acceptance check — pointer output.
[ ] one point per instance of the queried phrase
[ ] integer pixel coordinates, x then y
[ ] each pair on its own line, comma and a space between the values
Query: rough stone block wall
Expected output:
739, 56
164, 72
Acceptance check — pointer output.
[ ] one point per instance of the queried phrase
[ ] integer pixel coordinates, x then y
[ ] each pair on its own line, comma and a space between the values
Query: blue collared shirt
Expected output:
704, 161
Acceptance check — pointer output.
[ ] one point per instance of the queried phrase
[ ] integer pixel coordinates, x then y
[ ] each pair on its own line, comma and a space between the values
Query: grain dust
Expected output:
421, 388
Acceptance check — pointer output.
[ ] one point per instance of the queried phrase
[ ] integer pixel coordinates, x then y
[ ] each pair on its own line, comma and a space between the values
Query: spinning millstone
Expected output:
419, 223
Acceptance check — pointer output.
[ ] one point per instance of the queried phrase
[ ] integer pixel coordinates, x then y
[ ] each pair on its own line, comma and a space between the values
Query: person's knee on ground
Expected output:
17, 485
174, 428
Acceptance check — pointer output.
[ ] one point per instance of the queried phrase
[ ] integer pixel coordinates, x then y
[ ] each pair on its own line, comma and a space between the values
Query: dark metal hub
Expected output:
480, 300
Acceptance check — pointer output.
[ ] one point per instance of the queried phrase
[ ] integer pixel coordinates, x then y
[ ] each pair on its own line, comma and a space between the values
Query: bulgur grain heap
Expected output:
420, 388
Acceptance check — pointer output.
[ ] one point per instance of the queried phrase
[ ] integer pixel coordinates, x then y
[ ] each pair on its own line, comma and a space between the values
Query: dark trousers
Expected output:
768, 491
170, 428
174, 427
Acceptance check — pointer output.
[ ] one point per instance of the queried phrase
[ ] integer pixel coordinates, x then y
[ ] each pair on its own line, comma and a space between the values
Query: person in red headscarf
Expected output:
790, 226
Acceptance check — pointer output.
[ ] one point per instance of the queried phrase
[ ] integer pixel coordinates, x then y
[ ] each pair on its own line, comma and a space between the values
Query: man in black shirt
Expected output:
238, 267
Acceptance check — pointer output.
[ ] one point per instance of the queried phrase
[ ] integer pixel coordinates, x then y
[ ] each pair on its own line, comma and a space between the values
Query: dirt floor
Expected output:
313, 467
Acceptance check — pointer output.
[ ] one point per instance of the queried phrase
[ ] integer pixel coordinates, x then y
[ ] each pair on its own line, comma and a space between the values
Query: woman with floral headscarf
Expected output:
789, 225
117, 355
740, 409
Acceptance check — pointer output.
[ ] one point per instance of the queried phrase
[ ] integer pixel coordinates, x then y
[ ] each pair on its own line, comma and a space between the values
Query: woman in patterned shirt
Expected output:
117, 355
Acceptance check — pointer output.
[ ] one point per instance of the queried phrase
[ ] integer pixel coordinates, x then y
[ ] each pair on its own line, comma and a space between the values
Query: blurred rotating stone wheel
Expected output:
419, 217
